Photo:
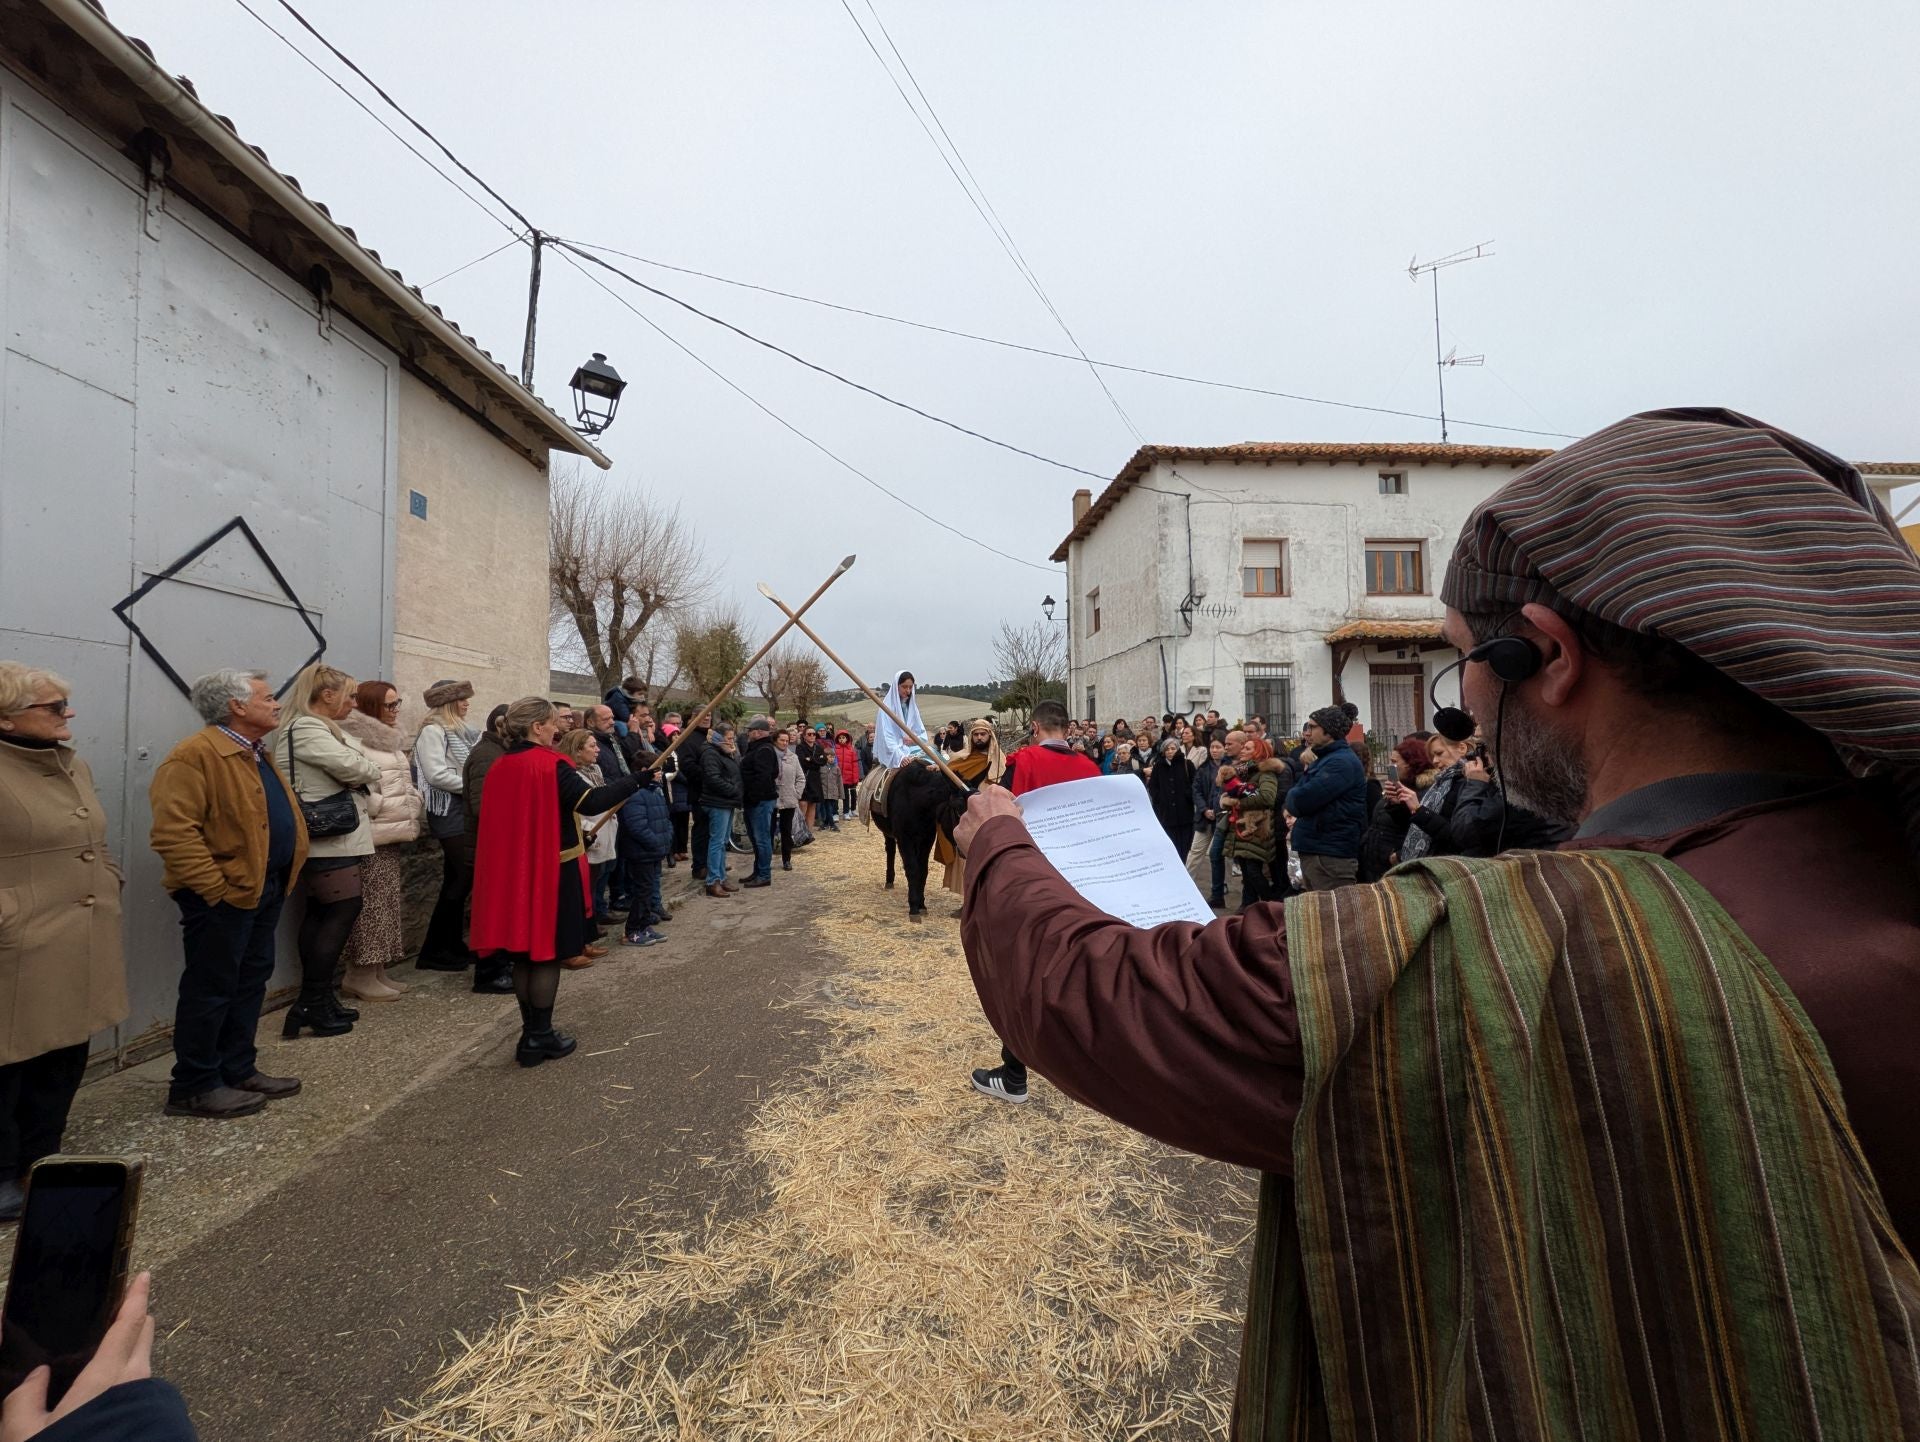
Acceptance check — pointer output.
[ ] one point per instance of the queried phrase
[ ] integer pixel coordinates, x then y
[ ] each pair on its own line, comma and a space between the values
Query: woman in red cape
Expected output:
531, 899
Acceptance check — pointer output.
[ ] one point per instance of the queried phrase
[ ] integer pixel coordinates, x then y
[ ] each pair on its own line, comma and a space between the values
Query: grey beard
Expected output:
1539, 771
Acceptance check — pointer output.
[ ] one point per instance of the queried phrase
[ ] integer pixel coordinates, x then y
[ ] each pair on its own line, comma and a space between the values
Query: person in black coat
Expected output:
1170, 786
690, 753
720, 796
759, 793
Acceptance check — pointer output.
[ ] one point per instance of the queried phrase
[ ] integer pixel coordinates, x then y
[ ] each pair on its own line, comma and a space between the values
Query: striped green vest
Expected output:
1571, 1164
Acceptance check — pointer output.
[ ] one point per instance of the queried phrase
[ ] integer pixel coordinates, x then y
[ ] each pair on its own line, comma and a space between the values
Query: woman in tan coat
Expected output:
394, 808
61, 968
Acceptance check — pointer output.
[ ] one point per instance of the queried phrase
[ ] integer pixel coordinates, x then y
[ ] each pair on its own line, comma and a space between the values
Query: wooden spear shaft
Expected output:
793, 618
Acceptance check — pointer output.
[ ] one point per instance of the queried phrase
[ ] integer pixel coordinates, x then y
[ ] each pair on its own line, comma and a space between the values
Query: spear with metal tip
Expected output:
793, 619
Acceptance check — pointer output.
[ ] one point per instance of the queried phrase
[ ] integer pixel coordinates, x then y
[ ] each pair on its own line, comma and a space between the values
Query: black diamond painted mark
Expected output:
124, 610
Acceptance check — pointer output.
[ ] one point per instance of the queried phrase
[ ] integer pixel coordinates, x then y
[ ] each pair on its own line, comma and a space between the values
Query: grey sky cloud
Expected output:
1708, 204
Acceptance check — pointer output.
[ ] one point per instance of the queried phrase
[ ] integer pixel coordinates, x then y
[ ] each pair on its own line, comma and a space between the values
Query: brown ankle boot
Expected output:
716, 889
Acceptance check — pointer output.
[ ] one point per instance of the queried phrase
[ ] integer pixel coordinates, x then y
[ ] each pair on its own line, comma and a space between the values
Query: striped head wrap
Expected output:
1763, 555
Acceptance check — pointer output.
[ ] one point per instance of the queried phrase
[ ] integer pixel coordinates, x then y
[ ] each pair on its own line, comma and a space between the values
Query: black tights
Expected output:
536, 984
324, 930
785, 813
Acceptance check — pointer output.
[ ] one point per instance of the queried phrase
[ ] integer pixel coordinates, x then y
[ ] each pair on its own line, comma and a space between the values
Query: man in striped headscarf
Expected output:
1610, 1141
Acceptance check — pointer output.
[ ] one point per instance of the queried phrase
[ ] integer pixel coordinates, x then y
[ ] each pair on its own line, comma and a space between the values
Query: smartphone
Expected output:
69, 1266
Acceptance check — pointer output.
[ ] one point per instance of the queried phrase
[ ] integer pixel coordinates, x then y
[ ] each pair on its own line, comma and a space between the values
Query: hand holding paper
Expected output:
1102, 836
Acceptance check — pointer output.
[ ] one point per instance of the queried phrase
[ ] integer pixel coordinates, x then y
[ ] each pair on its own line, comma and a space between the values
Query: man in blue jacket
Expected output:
1329, 804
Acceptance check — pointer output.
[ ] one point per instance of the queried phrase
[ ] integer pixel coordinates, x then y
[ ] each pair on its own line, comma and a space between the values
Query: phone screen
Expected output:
67, 1271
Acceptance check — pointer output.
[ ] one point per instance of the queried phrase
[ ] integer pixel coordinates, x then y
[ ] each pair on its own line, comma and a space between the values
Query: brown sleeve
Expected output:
1184, 1032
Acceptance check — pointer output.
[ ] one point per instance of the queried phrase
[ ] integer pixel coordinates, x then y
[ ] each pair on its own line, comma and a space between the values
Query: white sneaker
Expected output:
992, 1082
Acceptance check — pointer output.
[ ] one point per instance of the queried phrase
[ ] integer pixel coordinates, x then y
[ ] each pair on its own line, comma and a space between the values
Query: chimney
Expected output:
1082, 503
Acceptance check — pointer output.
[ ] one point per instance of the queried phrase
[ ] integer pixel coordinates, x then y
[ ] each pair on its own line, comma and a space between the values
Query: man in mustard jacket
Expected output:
229, 831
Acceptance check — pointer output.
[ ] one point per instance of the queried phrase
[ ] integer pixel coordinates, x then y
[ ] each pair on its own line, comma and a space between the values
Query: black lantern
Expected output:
1047, 606
596, 394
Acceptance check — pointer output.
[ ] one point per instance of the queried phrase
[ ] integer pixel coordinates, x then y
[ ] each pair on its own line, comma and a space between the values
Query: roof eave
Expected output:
375, 296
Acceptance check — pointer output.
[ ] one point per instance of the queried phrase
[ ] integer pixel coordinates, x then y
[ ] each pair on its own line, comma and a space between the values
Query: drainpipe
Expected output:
121, 53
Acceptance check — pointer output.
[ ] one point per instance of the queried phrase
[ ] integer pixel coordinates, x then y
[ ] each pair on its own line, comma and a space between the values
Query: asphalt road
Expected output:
332, 1297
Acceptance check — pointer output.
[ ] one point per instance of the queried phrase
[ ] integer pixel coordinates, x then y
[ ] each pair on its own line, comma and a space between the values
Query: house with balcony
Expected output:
1274, 577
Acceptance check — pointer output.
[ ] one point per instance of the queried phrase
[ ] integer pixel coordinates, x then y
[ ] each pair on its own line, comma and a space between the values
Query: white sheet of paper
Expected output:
1101, 835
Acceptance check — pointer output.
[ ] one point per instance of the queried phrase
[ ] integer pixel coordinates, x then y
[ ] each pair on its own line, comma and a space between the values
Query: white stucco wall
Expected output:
470, 581
1325, 512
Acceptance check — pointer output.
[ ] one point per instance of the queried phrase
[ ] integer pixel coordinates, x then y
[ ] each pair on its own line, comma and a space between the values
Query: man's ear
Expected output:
1563, 660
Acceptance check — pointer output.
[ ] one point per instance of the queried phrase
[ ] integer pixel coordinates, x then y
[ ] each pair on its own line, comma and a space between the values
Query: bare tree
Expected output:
1031, 664
770, 676
806, 683
616, 564
709, 648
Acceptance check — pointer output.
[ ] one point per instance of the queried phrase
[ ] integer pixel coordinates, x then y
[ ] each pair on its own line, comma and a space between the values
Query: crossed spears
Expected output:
793, 620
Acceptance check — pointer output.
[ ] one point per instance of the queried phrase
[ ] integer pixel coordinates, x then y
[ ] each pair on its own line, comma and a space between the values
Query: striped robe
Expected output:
1572, 1164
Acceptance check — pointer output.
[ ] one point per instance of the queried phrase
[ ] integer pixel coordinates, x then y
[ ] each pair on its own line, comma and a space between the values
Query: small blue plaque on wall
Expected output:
416, 505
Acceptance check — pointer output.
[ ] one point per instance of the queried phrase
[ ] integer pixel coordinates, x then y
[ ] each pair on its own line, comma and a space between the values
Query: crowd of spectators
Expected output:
318, 800
1307, 812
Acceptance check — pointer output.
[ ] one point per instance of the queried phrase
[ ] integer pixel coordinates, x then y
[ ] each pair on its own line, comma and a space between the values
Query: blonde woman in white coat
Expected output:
321, 761
395, 809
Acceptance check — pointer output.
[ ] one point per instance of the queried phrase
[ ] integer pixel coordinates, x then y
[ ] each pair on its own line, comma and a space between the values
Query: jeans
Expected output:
644, 903
828, 811
229, 962
1217, 855
719, 821
701, 843
35, 1096
760, 828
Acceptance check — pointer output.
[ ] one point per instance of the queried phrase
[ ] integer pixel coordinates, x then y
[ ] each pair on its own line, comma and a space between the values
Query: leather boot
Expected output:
540, 1042
314, 1013
716, 890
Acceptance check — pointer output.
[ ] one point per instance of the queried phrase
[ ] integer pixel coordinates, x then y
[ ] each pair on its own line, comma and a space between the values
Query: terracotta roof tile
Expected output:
1361, 452
1365, 629
1273, 452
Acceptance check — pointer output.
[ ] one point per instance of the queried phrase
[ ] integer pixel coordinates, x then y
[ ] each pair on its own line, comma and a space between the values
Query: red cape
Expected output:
1033, 767
516, 871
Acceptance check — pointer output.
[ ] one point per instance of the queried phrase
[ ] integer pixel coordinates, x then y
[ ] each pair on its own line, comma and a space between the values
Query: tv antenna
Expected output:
1416, 269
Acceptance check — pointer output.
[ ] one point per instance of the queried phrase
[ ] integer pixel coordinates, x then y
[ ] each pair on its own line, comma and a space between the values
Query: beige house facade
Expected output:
470, 576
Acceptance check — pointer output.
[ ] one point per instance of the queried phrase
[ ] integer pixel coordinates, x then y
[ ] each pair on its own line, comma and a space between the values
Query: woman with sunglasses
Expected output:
61, 967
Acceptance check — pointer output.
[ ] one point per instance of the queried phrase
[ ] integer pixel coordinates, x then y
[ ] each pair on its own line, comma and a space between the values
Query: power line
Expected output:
424, 158
566, 253
517, 240
1059, 354
823, 370
983, 206
345, 60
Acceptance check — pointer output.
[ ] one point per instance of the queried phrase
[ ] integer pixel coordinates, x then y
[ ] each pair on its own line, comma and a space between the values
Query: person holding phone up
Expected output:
116, 1396
61, 966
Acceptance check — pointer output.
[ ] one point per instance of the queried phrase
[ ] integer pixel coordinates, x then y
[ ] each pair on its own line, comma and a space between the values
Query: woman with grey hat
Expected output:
439, 764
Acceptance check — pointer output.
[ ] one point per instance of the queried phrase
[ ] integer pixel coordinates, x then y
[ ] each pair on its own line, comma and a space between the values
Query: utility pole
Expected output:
533, 310
1414, 271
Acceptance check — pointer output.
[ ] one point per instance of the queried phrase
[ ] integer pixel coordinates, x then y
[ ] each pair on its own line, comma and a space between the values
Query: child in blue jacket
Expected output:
647, 825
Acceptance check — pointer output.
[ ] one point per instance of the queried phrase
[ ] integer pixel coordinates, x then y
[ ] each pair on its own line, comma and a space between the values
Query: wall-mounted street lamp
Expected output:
596, 394
1047, 606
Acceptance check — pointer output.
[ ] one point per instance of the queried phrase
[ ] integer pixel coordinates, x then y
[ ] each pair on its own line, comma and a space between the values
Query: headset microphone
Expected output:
1511, 658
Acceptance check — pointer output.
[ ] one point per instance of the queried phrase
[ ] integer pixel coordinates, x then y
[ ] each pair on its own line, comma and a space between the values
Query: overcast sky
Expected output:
1691, 204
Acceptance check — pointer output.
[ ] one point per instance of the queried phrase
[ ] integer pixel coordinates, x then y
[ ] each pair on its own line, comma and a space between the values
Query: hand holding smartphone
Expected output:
69, 1269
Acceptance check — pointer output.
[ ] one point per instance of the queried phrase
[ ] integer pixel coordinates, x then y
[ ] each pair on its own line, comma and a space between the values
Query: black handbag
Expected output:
335, 815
